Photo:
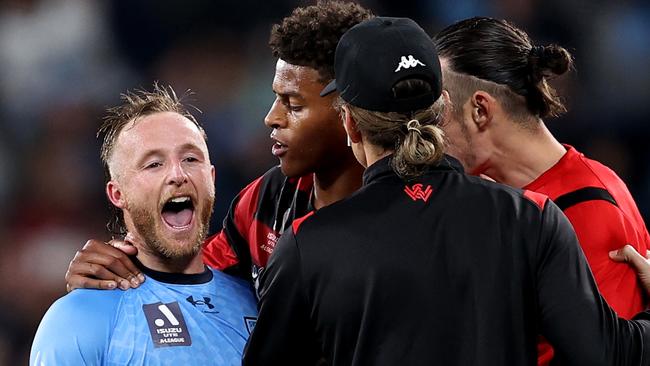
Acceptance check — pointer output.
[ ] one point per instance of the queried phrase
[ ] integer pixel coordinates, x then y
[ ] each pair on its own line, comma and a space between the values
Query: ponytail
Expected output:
422, 145
416, 140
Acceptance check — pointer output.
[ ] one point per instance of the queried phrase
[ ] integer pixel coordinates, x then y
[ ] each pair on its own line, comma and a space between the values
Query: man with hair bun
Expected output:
424, 264
498, 83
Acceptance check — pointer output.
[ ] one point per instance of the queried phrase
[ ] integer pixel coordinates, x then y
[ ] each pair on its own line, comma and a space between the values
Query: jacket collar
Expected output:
383, 168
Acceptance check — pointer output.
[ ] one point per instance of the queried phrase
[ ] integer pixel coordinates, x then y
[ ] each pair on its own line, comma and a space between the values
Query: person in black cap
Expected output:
425, 264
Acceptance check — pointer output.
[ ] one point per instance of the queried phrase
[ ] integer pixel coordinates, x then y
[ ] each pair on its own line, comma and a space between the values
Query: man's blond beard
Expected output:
145, 224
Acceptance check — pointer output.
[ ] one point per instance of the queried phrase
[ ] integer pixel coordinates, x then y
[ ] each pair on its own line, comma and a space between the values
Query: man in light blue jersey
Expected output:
161, 185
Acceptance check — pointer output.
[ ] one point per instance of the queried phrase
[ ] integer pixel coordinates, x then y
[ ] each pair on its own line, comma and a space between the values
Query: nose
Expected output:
177, 175
276, 117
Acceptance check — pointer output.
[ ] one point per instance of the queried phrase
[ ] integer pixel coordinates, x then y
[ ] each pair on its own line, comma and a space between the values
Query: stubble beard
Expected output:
145, 224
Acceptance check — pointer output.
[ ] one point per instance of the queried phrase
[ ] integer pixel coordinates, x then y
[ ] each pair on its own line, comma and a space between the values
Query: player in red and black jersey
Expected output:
257, 217
316, 167
498, 82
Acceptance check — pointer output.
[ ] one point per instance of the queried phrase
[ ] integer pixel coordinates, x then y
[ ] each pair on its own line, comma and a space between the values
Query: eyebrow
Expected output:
147, 155
289, 94
158, 152
190, 146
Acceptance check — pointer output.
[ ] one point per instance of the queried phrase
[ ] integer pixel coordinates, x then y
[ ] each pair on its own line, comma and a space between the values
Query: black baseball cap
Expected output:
374, 55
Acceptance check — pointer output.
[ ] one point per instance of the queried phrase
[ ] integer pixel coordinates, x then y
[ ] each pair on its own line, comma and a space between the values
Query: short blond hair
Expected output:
136, 104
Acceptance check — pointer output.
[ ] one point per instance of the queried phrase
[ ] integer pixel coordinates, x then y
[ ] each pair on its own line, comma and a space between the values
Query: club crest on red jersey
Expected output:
418, 192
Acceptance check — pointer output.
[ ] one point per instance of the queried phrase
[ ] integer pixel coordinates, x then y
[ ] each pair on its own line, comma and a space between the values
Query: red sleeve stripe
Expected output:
306, 183
217, 253
247, 206
537, 198
297, 222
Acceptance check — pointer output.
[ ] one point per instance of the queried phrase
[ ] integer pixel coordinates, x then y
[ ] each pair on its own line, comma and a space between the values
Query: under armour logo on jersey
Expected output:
417, 193
408, 63
206, 302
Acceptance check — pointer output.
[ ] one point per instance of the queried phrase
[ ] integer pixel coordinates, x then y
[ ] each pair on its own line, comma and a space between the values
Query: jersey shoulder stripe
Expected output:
537, 198
297, 222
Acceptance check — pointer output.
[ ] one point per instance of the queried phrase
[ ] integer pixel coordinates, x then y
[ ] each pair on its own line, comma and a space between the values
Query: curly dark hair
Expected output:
308, 37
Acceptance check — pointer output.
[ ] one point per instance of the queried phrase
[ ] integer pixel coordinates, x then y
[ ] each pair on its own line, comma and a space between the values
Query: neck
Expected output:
337, 183
374, 154
190, 265
523, 155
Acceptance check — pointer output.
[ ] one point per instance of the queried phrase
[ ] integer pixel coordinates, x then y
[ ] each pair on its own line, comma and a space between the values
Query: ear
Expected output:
350, 126
445, 97
483, 107
114, 193
213, 172
448, 106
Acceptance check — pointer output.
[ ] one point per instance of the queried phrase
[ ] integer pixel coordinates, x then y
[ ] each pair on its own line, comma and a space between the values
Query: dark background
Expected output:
62, 62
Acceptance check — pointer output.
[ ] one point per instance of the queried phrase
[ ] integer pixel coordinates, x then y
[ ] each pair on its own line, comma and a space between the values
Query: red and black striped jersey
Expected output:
256, 218
602, 224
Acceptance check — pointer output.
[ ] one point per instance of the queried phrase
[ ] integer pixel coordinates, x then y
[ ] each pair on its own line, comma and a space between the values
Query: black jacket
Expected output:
447, 270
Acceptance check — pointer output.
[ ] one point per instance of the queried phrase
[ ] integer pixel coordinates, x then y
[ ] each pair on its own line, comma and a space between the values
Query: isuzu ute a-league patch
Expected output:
167, 324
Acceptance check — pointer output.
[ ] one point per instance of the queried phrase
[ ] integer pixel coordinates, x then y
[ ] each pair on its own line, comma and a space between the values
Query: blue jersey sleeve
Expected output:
76, 329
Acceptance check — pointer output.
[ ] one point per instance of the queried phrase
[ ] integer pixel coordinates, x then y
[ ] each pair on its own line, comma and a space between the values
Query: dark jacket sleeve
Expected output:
573, 315
283, 334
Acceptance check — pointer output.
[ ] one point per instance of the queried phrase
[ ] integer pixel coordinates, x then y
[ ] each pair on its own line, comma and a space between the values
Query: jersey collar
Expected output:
383, 168
175, 278
557, 171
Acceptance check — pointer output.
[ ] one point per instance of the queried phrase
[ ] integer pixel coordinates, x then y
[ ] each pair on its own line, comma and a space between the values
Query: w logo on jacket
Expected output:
417, 193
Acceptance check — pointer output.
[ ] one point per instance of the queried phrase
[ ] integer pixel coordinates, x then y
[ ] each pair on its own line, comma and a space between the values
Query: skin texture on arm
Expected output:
104, 266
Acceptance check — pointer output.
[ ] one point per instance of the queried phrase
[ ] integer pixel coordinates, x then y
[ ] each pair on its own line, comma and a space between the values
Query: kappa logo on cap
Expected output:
407, 63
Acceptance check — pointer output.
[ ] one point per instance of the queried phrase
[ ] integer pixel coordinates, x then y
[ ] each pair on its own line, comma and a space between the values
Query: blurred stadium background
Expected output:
63, 61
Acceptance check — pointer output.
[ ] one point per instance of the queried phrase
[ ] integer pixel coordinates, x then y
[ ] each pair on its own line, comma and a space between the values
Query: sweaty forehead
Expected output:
165, 131
295, 79
163, 125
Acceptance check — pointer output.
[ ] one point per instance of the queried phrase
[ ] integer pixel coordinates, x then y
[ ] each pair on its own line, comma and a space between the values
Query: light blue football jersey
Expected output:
171, 319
